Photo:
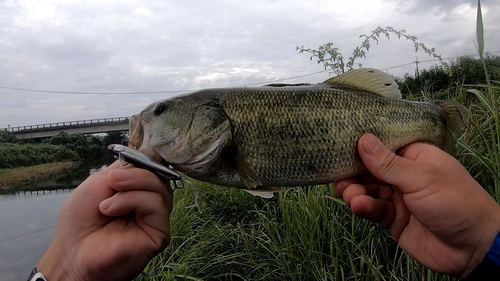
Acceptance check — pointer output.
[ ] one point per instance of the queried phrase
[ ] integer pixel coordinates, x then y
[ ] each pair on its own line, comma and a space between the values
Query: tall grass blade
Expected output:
479, 29
484, 100
482, 159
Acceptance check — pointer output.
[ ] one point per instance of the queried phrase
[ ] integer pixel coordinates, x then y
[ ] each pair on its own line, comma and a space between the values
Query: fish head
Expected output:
187, 133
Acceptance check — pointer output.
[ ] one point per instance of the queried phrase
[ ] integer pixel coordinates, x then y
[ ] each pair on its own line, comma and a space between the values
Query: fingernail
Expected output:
370, 144
121, 175
105, 204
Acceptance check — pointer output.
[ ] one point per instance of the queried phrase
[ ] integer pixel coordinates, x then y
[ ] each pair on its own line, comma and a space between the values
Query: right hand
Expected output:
429, 202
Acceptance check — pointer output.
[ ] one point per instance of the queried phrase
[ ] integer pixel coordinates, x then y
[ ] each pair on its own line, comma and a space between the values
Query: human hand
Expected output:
110, 227
431, 205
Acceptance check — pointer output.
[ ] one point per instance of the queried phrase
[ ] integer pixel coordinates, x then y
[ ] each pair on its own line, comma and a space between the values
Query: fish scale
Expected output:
289, 136
294, 136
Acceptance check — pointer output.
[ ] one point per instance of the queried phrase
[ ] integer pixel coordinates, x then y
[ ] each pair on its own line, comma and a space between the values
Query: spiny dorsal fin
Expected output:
370, 80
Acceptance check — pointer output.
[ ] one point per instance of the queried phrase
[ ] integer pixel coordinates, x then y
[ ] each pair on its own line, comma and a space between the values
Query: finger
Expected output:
150, 207
401, 218
136, 179
143, 203
353, 191
341, 185
376, 191
140, 202
376, 210
388, 167
109, 168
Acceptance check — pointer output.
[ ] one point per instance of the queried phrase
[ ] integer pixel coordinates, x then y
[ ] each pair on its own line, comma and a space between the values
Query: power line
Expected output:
91, 93
191, 90
148, 92
284, 79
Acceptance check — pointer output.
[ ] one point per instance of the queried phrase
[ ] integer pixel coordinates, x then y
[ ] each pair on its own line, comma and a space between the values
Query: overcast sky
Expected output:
143, 46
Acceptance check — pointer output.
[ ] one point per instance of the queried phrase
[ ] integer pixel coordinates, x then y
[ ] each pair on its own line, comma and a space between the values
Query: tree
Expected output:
470, 70
432, 83
115, 137
7, 137
439, 82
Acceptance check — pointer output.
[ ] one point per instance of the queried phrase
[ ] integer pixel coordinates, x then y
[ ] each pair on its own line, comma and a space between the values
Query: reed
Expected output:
481, 144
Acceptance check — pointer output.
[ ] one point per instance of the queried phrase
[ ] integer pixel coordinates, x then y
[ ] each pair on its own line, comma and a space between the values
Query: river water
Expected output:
28, 220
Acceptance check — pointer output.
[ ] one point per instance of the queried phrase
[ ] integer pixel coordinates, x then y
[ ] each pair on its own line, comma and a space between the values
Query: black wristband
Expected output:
36, 276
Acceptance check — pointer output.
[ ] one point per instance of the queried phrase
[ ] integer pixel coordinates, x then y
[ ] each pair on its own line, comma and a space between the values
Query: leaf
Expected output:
484, 100
480, 29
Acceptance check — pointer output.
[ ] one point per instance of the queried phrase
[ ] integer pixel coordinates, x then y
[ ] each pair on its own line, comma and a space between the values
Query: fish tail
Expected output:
456, 119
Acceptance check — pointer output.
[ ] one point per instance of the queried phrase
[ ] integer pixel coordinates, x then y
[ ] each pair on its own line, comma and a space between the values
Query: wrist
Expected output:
487, 254
489, 267
53, 264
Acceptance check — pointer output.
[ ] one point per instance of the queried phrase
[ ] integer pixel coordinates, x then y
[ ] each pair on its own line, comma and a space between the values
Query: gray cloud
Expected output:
95, 46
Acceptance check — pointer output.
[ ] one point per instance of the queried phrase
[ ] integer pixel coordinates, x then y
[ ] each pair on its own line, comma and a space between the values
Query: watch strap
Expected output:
36, 276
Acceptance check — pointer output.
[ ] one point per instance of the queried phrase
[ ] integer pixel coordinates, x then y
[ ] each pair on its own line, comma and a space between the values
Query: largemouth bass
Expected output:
289, 136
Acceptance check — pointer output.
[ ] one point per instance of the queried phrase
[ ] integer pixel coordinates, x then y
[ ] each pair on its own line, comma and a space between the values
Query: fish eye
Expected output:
160, 108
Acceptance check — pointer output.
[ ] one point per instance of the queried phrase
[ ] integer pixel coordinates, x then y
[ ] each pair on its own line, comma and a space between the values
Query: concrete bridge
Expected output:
92, 126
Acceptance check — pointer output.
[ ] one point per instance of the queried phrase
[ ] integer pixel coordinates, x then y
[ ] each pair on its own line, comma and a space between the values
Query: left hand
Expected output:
110, 227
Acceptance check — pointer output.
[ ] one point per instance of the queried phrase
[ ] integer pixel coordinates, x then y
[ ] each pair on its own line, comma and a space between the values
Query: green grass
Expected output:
301, 235
481, 144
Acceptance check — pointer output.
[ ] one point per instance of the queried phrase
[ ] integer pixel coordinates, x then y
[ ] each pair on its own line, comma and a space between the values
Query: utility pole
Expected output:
416, 67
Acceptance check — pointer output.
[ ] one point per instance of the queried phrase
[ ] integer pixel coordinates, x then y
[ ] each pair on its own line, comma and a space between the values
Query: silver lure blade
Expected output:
140, 160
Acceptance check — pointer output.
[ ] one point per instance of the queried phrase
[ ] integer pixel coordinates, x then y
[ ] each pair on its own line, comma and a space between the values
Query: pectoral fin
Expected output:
247, 174
264, 192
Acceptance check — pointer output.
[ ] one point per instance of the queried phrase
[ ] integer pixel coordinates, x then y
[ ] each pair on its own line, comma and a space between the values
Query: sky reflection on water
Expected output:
27, 225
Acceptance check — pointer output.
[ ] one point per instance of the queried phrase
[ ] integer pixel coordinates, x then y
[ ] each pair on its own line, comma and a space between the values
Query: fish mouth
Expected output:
136, 131
182, 151
139, 138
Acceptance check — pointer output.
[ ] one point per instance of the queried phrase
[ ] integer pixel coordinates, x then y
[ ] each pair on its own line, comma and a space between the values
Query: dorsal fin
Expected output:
370, 80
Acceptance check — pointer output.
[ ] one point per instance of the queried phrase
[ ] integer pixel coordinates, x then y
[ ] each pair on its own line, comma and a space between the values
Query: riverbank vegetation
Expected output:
302, 235
63, 147
10, 178
23, 155
23, 162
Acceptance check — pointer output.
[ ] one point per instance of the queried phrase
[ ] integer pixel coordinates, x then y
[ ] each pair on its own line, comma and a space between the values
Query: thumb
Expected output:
384, 164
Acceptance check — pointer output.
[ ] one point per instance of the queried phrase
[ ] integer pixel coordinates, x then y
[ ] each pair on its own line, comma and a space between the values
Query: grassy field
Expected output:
301, 235
10, 178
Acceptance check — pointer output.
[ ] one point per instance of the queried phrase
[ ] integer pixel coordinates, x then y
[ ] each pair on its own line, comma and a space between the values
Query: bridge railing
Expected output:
79, 123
